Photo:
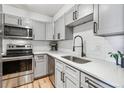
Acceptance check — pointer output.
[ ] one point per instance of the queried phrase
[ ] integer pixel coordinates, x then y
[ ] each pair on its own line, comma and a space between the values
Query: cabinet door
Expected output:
110, 19
58, 78
84, 10
71, 77
39, 30
60, 29
10, 19
69, 16
70, 82
41, 66
26, 22
49, 31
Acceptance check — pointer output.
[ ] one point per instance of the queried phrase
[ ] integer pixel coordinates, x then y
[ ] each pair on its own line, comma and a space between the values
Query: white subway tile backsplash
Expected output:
38, 46
94, 46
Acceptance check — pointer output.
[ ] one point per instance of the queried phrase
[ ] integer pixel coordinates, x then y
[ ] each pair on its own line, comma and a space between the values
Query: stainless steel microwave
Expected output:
17, 32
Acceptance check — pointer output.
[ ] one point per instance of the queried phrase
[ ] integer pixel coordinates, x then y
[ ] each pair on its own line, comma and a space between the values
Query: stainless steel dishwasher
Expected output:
51, 69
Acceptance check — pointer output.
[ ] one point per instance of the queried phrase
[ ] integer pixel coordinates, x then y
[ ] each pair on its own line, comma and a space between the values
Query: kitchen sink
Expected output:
76, 59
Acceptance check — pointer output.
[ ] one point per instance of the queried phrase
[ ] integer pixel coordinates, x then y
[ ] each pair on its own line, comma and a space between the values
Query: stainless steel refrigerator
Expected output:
1, 23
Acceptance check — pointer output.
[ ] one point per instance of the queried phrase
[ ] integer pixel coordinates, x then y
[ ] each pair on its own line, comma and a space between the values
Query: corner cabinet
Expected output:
66, 76
61, 31
38, 30
79, 11
108, 19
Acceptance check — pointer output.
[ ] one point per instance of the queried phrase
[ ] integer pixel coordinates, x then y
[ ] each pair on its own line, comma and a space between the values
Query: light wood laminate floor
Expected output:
39, 83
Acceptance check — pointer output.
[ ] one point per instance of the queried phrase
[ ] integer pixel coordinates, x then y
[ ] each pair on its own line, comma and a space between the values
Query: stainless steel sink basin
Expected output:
76, 59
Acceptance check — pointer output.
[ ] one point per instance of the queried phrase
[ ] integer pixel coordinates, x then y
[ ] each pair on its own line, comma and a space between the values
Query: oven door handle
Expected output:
16, 58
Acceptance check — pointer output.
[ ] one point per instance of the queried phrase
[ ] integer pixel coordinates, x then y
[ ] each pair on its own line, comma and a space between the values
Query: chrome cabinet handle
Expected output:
76, 14
95, 27
58, 35
18, 21
53, 36
73, 15
61, 76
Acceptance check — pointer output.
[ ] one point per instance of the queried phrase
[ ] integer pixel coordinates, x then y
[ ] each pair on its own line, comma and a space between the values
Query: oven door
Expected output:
17, 66
17, 32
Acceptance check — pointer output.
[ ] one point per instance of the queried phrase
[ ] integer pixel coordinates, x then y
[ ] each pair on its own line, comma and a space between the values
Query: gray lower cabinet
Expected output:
58, 78
66, 76
109, 19
88, 81
41, 65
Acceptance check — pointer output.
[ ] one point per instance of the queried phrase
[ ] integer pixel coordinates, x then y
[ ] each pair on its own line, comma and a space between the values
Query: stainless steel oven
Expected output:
18, 32
18, 66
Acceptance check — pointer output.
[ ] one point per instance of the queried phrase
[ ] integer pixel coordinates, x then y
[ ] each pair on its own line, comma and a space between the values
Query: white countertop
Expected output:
105, 71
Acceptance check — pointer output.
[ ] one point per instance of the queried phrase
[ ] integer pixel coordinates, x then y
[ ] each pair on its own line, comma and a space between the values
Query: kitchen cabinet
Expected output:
59, 67
11, 19
41, 65
88, 81
84, 10
38, 30
79, 14
26, 22
72, 76
66, 76
61, 31
108, 19
69, 16
49, 31
16, 20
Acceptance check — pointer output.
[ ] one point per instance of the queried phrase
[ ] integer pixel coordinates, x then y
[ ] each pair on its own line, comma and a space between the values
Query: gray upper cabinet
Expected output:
26, 22
49, 31
15, 20
69, 16
11, 19
39, 30
61, 31
108, 19
80, 13
84, 10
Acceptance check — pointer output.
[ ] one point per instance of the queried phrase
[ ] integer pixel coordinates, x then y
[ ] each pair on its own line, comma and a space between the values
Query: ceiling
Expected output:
46, 9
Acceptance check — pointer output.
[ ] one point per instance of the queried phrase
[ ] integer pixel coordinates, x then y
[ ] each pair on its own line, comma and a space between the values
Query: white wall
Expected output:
23, 13
94, 46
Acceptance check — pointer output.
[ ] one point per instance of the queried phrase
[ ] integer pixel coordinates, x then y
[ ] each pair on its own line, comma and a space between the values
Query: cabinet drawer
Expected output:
88, 81
40, 58
71, 82
59, 63
72, 71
